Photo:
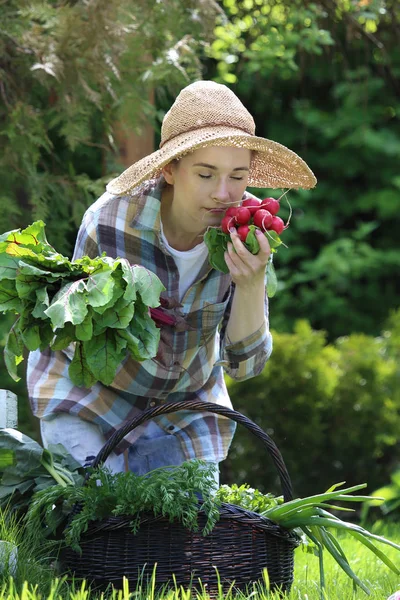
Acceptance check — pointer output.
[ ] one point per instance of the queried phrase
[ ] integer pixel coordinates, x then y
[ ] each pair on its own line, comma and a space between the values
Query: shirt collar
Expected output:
147, 217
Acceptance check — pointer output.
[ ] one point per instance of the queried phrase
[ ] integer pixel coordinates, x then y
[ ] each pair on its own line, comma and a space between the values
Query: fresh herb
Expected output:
172, 492
101, 305
248, 498
26, 468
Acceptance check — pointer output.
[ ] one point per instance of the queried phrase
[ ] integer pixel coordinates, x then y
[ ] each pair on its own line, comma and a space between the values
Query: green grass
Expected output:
36, 578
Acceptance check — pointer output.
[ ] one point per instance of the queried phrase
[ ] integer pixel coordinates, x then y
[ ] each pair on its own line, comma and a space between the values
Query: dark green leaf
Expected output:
64, 337
9, 299
31, 337
118, 316
102, 356
84, 330
79, 370
13, 351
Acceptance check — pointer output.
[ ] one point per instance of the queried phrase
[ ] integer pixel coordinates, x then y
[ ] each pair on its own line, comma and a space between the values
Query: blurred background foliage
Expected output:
322, 78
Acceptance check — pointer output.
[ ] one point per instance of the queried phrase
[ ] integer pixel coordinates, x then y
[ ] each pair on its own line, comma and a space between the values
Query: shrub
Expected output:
332, 409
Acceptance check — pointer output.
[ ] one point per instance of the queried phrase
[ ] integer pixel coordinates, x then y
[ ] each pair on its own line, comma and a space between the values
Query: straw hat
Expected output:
204, 114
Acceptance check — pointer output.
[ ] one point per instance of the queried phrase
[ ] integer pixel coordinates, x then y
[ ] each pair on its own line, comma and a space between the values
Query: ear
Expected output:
168, 172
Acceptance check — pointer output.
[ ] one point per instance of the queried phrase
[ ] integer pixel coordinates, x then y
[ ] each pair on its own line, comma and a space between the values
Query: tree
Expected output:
69, 70
323, 79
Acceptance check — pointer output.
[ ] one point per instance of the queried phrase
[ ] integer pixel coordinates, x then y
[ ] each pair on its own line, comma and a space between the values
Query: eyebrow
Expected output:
215, 168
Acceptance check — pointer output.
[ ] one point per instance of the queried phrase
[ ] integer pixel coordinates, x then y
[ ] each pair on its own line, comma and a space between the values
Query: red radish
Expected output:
262, 219
226, 223
231, 211
243, 230
252, 204
271, 204
277, 225
243, 216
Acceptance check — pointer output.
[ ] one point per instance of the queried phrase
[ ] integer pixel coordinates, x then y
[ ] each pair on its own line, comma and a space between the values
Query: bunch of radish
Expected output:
250, 216
253, 212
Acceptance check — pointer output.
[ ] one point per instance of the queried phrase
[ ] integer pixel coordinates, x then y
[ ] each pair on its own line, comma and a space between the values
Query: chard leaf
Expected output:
100, 288
102, 356
8, 266
148, 333
13, 351
36, 272
118, 317
79, 370
42, 302
84, 330
148, 285
46, 335
31, 337
118, 291
9, 299
63, 337
127, 275
69, 304
27, 455
33, 235
134, 344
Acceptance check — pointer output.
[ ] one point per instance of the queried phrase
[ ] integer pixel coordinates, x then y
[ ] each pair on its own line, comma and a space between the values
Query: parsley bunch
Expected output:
101, 305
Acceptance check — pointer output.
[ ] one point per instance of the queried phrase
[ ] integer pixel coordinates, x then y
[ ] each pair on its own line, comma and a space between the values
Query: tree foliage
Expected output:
323, 78
68, 72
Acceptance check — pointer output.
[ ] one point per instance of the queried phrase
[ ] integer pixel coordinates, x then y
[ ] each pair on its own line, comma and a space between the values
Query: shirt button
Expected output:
152, 403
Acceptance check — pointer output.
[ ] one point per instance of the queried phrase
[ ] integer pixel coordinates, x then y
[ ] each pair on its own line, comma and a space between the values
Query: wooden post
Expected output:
8, 418
8, 409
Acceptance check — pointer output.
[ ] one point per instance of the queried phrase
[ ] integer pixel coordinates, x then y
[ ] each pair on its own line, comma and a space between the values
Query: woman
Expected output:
155, 214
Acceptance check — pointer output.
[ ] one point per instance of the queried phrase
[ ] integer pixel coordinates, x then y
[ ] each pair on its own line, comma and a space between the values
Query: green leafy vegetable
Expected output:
100, 305
26, 467
169, 491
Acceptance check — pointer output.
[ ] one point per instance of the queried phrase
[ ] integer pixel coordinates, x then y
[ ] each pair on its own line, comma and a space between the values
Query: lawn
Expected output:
35, 578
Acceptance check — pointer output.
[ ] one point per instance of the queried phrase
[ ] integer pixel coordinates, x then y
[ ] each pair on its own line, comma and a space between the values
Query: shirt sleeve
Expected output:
246, 358
86, 241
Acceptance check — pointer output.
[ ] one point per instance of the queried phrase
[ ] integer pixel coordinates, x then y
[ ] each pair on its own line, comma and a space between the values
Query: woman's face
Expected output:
205, 183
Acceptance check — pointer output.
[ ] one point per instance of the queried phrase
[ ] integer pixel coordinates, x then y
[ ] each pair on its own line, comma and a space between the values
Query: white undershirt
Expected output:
189, 262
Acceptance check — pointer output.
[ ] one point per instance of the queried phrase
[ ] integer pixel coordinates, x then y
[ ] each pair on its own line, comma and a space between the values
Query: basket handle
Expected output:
148, 414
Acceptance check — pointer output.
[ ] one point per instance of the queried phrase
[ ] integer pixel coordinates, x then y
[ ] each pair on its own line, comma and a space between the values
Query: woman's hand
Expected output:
247, 269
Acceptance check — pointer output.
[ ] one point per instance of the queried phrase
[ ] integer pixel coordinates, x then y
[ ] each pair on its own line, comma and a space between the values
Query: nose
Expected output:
221, 193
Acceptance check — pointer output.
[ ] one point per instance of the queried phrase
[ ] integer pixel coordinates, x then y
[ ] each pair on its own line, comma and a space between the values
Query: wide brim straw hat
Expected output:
204, 114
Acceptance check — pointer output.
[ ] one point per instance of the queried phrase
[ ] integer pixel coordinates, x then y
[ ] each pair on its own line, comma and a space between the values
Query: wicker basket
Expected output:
241, 545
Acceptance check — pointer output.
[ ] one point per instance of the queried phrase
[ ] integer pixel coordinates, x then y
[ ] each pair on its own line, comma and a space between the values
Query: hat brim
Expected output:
272, 165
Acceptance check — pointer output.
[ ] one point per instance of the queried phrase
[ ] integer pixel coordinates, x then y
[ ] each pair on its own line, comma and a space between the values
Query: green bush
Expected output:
332, 409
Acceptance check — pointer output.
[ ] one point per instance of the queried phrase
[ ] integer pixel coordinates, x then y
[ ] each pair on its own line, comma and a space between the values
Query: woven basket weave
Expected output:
241, 545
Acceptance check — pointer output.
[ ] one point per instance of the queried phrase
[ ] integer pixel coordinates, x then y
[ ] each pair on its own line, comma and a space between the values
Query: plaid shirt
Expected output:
190, 360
